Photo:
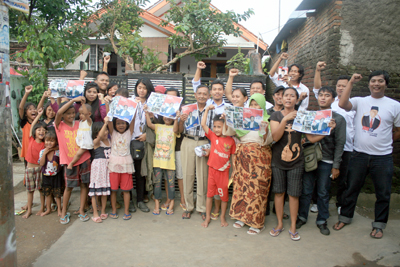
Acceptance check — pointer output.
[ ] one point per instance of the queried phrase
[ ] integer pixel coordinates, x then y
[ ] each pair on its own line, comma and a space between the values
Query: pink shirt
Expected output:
66, 141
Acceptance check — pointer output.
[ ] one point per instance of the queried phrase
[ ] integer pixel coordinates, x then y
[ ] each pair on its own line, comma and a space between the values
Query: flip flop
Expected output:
337, 224
240, 223
276, 232
214, 216
104, 216
256, 231
164, 206
113, 215
127, 217
83, 218
65, 220
292, 236
183, 206
186, 215
97, 219
155, 212
168, 212
203, 215
377, 230
19, 212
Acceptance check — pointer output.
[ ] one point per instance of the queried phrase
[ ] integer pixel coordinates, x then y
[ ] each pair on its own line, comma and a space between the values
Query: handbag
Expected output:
137, 149
312, 154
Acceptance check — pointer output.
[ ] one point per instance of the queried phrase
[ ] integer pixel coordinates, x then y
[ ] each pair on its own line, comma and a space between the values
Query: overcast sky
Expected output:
266, 14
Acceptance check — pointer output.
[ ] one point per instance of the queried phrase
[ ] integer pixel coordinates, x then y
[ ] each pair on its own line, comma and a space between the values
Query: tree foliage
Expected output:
53, 32
200, 29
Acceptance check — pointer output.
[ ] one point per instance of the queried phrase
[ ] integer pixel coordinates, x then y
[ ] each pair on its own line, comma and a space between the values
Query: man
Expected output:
256, 86
190, 120
252, 125
277, 96
341, 84
371, 122
296, 73
193, 166
332, 149
169, 110
102, 81
320, 125
372, 150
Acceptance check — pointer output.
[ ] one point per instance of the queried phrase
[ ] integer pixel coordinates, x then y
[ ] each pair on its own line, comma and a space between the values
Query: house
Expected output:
155, 37
350, 36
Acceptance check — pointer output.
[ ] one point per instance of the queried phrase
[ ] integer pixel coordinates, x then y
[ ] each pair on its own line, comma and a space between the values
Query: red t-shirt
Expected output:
34, 148
66, 142
25, 139
221, 150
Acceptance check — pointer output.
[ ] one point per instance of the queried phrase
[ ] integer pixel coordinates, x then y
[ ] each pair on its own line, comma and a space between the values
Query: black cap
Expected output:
278, 88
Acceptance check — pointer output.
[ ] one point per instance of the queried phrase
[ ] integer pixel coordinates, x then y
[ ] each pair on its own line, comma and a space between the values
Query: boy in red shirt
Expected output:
218, 172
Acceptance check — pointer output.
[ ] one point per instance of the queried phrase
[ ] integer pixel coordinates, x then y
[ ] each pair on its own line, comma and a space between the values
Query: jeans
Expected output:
381, 170
170, 176
321, 178
341, 180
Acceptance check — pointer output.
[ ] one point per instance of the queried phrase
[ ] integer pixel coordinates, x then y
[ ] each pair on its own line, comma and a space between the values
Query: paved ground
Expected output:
149, 240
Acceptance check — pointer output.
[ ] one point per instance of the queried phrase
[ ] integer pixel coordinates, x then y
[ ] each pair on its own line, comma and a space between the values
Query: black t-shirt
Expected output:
287, 153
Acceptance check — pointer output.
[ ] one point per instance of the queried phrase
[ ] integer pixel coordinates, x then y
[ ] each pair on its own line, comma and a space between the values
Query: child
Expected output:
33, 174
164, 159
120, 164
218, 172
84, 136
53, 182
79, 175
100, 178
48, 112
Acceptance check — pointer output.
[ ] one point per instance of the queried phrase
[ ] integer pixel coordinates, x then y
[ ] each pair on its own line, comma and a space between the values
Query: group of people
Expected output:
76, 145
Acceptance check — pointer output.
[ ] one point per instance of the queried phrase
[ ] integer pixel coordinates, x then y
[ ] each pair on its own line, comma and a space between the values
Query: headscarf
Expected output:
260, 99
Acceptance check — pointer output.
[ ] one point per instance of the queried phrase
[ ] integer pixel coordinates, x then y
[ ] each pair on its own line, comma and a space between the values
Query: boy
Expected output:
218, 172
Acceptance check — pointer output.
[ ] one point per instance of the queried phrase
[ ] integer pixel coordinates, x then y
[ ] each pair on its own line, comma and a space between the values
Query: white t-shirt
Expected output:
373, 124
300, 89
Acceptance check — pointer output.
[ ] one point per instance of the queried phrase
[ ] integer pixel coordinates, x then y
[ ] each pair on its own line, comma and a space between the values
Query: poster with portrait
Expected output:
193, 116
112, 106
67, 88
313, 121
164, 105
125, 109
244, 118
282, 71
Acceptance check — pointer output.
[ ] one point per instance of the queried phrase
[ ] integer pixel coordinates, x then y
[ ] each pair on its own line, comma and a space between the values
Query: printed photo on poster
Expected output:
112, 106
193, 116
74, 88
282, 71
243, 118
4, 30
58, 87
164, 105
125, 109
313, 122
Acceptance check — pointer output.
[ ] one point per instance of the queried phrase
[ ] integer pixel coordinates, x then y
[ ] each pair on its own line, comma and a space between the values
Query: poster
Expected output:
124, 109
113, 106
313, 122
21, 5
244, 118
193, 116
282, 71
67, 88
164, 105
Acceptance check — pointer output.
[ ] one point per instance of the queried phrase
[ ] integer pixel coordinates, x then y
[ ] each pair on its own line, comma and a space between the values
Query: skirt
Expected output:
99, 178
251, 184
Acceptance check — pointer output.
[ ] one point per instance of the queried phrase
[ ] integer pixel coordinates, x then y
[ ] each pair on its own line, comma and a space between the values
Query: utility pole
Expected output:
8, 248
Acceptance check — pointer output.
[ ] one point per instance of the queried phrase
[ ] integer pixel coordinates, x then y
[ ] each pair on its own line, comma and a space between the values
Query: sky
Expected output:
266, 14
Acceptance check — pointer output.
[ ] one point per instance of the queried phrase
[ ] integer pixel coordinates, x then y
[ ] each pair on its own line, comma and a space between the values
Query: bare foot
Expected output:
27, 214
39, 212
205, 223
45, 213
24, 207
224, 223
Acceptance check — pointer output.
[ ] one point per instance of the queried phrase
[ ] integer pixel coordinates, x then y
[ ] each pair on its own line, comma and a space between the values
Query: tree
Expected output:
53, 33
200, 28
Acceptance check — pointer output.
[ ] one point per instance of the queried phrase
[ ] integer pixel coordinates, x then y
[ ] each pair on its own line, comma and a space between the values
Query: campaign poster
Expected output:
282, 71
313, 122
193, 116
252, 119
58, 87
125, 109
75, 88
164, 105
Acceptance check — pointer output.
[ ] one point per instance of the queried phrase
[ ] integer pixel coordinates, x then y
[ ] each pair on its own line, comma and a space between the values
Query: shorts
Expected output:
287, 180
218, 184
178, 165
121, 180
33, 179
79, 174
53, 185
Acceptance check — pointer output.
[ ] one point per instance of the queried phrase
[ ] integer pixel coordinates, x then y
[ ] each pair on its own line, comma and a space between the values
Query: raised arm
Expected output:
176, 122
28, 90
317, 76
150, 124
229, 83
106, 60
96, 141
40, 112
204, 118
82, 75
278, 128
344, 101
276, 64
132, 125
64, 108
45, 96
197, 76
85, 111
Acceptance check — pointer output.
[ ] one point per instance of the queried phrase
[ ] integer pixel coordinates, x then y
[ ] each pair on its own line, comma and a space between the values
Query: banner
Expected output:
21, 5
313, 122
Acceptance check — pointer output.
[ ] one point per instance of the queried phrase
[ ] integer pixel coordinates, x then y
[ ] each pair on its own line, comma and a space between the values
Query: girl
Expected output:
53, 181
252, 169
33, 173
100, 178
288, 161
79, 176
84, 135
111, 89
120, 164
164, 159
48, 112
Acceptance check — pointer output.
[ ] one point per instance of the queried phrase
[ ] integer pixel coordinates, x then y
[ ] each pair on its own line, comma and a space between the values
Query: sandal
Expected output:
214, 216
183, 206
240, 223
65, 220
186, 215
256, 231
127, 217
97, 219
336, 226
104, 216
156, 212
83, 218
164, 206
77, 212
203, 215
275, 233
53, 207
293, 236
113, 215
169, 212
285, 216
377, 231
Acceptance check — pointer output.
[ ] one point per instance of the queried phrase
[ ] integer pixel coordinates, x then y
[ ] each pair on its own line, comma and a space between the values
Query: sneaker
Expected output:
143, 207
299, 223
132, 207
323, 228
338, 210
314, 208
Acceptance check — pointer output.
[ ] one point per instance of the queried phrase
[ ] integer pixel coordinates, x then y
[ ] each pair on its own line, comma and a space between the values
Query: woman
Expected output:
288, 161
252, 171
